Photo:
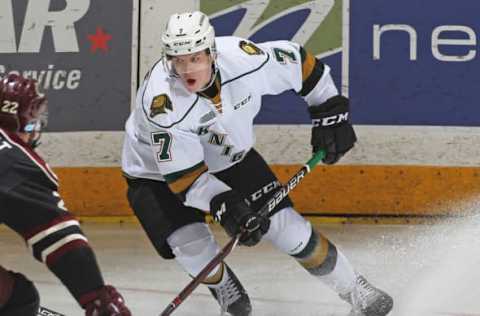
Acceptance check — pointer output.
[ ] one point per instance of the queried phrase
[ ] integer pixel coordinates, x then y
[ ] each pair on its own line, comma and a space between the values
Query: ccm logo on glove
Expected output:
331, 120
331, 130
235, 215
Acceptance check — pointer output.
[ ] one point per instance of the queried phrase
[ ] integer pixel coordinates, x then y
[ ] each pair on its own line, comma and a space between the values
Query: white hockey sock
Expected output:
342, 278
322, 259
292, 234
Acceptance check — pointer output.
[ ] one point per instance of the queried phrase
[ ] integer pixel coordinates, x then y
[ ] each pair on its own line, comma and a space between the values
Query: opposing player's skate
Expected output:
231, 296
367, 300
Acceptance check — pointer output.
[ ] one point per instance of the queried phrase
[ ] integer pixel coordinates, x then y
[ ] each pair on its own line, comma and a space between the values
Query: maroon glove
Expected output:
106, 301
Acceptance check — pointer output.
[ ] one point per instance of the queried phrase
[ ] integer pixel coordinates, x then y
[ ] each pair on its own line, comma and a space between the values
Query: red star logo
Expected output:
99, 40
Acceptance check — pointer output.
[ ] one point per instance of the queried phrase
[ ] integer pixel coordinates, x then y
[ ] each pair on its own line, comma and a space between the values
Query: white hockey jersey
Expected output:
176, 136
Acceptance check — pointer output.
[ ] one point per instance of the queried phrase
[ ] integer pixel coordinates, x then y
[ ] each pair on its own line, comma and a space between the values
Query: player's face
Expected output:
195, 70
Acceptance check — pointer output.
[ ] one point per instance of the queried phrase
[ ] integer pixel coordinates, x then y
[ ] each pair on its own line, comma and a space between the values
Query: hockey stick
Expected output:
265, 210
42, 311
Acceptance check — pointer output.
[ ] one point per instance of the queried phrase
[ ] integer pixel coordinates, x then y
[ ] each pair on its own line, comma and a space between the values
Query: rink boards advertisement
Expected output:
409, 68
80, 55
406, 63
410, 71
400, 64
414, 62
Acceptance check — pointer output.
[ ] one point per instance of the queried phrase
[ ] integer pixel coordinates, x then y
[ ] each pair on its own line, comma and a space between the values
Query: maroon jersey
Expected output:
30, 203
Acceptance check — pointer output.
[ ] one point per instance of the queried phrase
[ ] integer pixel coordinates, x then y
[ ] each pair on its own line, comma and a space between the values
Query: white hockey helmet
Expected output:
188, 33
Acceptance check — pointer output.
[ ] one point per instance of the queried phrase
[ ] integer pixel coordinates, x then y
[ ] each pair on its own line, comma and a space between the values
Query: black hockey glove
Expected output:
234, 214
332, 130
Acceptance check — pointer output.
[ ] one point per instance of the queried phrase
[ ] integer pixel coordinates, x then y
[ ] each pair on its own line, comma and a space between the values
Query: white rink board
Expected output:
289, 144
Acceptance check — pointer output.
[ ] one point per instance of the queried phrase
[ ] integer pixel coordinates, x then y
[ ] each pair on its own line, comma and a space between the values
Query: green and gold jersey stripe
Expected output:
181, 180
318, 255
308, 64
312, 71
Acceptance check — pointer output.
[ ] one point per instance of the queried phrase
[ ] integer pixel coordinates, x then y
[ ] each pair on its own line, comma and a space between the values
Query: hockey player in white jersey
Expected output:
189, 149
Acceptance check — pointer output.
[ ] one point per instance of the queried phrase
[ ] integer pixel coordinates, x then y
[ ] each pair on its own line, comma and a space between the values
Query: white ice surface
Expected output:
428, 269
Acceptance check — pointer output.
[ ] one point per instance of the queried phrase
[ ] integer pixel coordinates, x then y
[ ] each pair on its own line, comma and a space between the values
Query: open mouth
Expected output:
191, 82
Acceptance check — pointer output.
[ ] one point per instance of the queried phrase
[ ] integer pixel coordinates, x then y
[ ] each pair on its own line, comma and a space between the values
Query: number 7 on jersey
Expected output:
164, 140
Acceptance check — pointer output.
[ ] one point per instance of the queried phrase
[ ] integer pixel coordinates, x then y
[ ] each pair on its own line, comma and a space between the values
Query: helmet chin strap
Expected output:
212, 78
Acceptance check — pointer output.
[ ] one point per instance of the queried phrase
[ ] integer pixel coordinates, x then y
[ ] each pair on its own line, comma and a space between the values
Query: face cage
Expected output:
35, 128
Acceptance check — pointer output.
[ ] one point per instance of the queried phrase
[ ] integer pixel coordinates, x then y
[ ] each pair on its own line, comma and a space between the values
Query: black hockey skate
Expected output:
231, 296
367, 300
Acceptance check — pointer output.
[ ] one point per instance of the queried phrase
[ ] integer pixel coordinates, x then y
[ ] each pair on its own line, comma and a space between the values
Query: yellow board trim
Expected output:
384, 190
332, 190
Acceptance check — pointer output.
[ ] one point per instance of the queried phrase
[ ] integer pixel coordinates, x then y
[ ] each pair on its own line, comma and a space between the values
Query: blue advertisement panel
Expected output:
414, 62
317, 25
79, 51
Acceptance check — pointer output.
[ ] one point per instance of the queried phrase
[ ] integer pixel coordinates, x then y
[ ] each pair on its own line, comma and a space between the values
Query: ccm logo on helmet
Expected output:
331, 120
182, 43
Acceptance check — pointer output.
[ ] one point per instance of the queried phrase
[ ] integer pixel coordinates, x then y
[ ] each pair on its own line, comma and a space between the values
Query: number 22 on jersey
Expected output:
10, 107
